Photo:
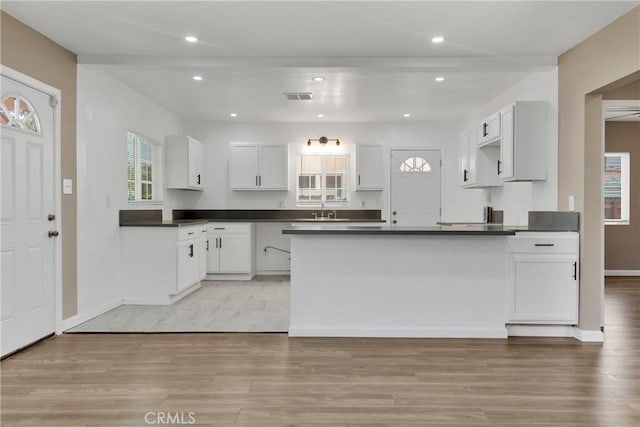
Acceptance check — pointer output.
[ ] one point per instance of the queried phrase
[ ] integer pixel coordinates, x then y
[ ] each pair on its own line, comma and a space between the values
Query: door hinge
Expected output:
53, 101
440, 162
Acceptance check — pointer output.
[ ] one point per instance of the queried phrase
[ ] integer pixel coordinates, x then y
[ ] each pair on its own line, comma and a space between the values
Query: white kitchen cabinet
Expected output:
477, 165
256, 166
523, 142
543, 279
369, 168
489, 131
162, 264
231, 249
184, 163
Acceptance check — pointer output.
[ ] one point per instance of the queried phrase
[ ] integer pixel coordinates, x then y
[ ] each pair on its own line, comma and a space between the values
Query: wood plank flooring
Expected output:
270, 380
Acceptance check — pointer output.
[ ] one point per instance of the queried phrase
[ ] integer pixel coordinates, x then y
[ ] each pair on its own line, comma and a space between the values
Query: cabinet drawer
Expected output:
229, 227
544, 243
189, 232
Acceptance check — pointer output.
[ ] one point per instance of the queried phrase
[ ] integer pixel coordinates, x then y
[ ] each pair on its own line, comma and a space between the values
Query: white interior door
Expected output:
27, 252
415, 187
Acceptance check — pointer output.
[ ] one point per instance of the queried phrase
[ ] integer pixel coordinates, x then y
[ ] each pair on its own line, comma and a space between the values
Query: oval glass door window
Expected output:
415, 165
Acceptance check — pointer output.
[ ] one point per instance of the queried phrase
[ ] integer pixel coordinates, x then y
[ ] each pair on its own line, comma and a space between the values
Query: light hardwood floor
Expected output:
271, 380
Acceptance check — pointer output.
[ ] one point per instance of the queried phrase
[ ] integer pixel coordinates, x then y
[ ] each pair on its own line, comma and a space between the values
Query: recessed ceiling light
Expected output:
318, 79
191, 39
437, 39
233, 115
439, 79
197, 78
320, 115
406, 115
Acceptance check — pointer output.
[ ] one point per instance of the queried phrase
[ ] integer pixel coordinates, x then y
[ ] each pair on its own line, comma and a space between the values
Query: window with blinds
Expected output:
142, 170
616, 188
322, 179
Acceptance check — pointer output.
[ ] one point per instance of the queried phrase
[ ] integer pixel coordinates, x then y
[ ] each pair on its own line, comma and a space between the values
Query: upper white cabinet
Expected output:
489, 130
184, 163
523, 142
369, 167
477, 166
255, 166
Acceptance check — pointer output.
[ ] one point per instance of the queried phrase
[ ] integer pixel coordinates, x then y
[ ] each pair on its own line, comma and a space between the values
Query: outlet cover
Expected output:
67, 186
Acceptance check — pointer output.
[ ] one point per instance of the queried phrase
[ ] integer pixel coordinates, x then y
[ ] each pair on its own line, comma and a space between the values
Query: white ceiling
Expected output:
377, 57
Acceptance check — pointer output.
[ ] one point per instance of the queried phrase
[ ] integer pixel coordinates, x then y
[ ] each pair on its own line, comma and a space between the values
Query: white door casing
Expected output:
28, 198
415, 187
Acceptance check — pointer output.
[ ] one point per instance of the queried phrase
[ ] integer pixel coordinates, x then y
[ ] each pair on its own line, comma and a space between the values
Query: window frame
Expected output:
156, 175
625, 191
323, 180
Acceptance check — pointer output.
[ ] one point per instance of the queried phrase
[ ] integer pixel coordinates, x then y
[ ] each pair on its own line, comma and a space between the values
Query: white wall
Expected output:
106, 110
517, 198
457, 204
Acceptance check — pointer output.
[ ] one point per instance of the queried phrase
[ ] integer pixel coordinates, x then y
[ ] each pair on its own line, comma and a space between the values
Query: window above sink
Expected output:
322, 180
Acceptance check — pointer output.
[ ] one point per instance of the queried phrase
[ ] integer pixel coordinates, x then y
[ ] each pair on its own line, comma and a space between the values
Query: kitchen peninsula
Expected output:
443, 281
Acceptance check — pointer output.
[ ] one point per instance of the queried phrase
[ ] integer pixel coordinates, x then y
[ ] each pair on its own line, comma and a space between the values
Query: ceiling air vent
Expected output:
299, 96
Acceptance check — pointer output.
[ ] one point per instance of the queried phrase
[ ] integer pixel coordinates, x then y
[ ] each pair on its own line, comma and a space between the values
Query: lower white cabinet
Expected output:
543, 279
160, 263
231, 249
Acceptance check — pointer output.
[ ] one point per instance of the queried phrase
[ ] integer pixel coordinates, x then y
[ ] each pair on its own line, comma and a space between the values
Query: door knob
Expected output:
395, 213
51, 217
53, 233
395, 222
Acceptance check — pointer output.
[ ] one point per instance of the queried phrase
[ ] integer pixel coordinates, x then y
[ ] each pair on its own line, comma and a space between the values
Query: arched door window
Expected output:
17, 112
415, 165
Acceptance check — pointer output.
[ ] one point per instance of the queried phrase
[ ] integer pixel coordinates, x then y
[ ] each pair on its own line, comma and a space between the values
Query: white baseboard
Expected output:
273, 273
588, 336
622, 272
402, 332
79, 318
541, 331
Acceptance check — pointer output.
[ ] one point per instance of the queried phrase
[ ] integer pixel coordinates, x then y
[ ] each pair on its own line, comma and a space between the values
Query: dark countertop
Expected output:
278, 215
485, 230
174, 223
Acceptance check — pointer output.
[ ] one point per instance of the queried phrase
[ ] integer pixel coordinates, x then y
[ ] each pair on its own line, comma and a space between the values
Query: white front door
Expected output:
415, 187
28, 188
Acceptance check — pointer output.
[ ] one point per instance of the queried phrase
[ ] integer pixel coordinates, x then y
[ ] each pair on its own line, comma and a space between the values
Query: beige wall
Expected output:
31, 53
622, 242
608, 56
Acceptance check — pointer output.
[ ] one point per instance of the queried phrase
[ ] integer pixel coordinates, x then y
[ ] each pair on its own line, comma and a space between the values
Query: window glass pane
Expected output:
17, 112
613, 187
311, 179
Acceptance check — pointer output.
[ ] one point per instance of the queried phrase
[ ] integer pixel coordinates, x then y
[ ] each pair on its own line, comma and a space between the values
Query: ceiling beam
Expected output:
435, 64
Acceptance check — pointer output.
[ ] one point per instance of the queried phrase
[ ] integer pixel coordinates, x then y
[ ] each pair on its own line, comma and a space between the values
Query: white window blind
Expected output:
142, 169
616, 188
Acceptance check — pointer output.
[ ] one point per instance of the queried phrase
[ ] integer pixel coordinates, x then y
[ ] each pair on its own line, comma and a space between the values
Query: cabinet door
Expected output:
506, 169
204, 247
490, 129
195, 159
369, 168
472, 159
234, 254
213, 254
188, 264
244, 166
274, 167
543, 289
463, 158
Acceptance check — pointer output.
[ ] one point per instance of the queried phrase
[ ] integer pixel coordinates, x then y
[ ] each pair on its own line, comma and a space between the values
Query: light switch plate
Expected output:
572, 202
67, 186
